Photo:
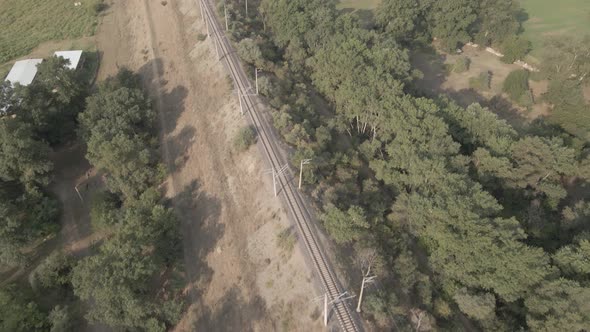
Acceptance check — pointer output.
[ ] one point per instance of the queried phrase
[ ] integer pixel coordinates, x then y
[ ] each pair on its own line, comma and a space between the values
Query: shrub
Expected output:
100, 6
245, 137
515, 48
461, 65
516, 84
481, 81
53, 272
104, 210
526, 99
201, 37
249, 51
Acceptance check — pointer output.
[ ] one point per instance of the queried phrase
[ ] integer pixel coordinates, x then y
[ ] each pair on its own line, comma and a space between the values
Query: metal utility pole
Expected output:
327, 304
326, 309
207, 25
78, 192
303, 162
366, 280
202, 13
215, 41
225, 14
256, 74
275, 174
240, 99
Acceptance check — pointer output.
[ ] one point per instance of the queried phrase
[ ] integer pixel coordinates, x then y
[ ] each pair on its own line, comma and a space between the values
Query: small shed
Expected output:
73, 56
23, 72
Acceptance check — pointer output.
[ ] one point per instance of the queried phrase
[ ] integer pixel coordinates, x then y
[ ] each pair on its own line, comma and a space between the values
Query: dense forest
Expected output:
477, 225
119, 277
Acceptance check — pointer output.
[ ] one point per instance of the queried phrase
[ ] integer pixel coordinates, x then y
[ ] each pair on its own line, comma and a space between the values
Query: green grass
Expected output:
358, 4
551, 17
28, 23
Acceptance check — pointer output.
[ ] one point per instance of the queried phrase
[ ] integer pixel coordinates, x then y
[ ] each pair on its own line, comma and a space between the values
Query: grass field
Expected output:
358, 4
27, 23
551, 17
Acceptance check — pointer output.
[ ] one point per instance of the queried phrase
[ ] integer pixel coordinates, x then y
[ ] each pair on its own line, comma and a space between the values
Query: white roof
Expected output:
23, 71
73, 56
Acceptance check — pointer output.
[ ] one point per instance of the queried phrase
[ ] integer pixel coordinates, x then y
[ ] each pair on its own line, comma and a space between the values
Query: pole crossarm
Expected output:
299, 209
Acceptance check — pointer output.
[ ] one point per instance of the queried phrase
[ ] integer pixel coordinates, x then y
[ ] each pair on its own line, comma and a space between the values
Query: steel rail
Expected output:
293, 199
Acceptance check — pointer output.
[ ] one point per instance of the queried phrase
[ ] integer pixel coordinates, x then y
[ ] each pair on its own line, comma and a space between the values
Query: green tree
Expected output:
402, 18
540, 164
570, 109
515, 48
477, 126
119, 128
452, 21
496, 21
345, 226
53, 272
559, 305
60, 319
477, 306
117, 278
461, 65
574, 260
51, 103
516, 84
22, 158
18, 313
566, 57
250, 52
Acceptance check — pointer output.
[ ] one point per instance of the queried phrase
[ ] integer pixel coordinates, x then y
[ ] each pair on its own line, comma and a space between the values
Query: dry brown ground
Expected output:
238, 278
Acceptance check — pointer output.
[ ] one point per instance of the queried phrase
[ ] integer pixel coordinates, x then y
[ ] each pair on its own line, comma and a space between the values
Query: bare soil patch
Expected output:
229, 217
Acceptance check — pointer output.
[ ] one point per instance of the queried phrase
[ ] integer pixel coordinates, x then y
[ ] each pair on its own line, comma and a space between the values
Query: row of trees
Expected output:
456, 22
118, 125
119, 128
470, 217
33, 120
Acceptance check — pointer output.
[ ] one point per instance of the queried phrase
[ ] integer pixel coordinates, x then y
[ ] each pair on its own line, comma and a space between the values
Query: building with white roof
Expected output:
73, 56
23, 72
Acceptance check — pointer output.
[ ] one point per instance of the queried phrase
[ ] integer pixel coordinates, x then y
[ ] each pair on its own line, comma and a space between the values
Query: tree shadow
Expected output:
169, 100
232, 313
432, 66
199, 224
522, 16
179, 146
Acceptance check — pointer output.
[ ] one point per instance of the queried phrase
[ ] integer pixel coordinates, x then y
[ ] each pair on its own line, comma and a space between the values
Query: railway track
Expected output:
301, 216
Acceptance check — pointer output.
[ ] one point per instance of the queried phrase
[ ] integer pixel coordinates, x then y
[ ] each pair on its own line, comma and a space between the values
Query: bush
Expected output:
526, 99
61, 319
516, 84
481, 81
53, 272
201, 37
249, 51
104, 210
245, 137
515, 48
461, 65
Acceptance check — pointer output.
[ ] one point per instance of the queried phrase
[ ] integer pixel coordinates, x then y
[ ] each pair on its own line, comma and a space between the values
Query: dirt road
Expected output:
239, 278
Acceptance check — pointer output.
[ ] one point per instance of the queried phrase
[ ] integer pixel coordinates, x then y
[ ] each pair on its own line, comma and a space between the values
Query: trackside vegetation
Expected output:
477, 225
121, 278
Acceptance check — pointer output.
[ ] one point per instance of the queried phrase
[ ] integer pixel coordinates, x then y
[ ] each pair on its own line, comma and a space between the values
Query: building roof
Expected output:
23, 71
73, 56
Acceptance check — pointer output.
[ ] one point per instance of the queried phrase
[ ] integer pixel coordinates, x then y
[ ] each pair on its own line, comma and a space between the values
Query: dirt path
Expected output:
240, 279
